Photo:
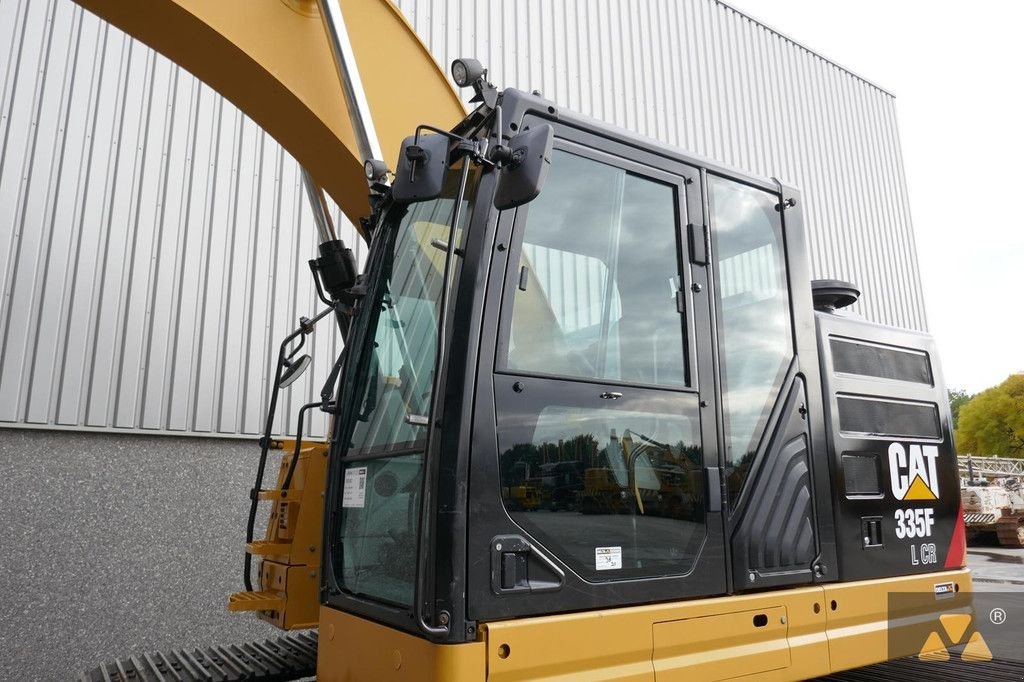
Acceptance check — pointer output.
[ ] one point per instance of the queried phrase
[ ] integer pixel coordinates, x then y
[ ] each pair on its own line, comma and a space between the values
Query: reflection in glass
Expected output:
375, 556
399, 377
579, 479
754, 318
598, 275
381, 508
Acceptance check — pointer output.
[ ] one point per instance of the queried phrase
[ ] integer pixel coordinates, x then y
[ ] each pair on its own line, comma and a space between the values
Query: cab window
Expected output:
597, 279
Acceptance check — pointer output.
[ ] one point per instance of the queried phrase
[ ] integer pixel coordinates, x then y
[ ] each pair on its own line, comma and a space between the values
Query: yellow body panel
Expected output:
736, 646
860, 623
272, 59
296, 520
289, 573
784, 635
352, 649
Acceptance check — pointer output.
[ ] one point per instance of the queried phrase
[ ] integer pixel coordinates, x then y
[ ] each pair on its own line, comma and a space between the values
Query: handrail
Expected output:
436, 415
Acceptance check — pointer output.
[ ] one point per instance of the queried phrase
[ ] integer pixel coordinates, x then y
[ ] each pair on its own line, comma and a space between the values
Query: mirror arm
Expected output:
500, 154
447, 133
327, 392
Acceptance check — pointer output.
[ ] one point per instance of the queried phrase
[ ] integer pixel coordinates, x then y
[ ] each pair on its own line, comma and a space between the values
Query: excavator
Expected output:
545, 290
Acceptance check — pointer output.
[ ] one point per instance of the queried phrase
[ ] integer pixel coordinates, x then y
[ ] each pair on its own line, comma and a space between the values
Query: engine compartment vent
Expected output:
830, 295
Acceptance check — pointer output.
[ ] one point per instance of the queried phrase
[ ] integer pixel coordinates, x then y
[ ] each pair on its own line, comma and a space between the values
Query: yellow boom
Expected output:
273, 60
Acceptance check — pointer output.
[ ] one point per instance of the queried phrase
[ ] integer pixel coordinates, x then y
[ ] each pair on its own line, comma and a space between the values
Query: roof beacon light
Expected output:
466, 71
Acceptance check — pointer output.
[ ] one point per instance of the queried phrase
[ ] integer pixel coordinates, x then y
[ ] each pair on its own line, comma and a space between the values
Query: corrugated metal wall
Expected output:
153, 240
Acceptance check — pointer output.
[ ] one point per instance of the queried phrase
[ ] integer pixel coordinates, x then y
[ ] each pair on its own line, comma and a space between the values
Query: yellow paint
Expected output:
290, 550
363, 650
863, 629
919, 490
271, 58
727, 646
703, 639
668, 641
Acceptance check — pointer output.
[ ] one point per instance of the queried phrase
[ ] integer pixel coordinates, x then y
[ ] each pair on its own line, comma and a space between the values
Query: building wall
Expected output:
153, 240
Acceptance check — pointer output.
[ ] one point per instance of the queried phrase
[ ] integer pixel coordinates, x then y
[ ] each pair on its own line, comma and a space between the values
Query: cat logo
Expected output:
914, 477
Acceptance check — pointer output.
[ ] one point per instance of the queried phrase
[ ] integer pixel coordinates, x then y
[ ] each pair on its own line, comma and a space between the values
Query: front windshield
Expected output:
383, 468
396, 384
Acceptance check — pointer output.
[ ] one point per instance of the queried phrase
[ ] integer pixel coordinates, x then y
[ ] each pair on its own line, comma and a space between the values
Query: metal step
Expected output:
277, 495
255, 601
292, 657
267, 548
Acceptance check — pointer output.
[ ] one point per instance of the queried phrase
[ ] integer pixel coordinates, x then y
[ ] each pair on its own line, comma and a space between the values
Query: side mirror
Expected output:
421, 168
522, 179
293, 370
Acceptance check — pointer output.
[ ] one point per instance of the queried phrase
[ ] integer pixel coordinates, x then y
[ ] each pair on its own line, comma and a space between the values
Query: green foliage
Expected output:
992, 422
957, 399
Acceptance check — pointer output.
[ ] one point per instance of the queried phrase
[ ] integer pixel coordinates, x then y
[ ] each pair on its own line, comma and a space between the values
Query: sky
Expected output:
957, 71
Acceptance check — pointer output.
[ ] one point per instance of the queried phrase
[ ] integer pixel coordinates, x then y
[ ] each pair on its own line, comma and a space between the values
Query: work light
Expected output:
465, 71
375, 170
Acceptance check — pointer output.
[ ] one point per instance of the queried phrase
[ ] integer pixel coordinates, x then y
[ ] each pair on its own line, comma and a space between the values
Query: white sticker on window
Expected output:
607, 558
354, 492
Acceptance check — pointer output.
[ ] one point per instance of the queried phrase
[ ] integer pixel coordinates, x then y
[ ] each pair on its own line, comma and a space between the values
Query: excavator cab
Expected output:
584, 426
593, 420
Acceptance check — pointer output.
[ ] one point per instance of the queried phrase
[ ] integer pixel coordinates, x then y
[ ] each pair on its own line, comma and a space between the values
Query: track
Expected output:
1010, 530
292, 657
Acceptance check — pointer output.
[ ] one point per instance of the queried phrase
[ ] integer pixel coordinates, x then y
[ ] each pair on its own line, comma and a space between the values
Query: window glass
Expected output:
754, 318
399, 377
597, 278
614, 492
378, 526
380, 505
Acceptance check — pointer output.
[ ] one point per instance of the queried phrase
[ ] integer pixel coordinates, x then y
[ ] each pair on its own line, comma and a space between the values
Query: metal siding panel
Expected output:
153, 241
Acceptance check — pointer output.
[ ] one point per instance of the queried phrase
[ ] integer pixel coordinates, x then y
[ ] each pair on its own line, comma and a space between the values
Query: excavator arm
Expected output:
336, 83
273, 59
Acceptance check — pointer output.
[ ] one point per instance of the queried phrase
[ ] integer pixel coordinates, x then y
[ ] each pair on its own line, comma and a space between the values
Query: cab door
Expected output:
594, 469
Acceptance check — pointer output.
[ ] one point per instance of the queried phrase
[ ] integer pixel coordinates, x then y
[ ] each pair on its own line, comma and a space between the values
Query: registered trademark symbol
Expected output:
997, 616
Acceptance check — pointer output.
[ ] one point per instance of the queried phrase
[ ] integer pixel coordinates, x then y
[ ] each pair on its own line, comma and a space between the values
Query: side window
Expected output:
755, 331
597, 279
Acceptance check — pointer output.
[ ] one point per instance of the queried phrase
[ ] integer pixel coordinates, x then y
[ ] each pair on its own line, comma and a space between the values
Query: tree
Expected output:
957, 399
992, 422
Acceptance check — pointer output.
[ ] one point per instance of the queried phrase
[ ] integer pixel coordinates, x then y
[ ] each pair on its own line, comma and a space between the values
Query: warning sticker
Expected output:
354, 492
607, 558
